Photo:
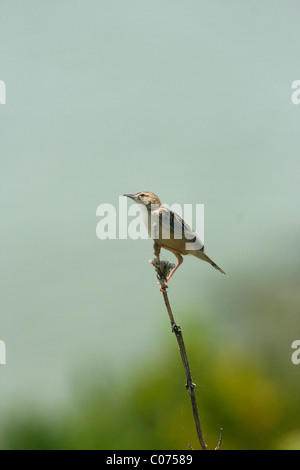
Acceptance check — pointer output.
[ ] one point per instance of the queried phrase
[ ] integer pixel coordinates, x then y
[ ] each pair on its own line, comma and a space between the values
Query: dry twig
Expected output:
163, 268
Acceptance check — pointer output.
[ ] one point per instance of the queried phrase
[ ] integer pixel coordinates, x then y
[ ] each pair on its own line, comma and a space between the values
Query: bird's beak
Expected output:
130, 195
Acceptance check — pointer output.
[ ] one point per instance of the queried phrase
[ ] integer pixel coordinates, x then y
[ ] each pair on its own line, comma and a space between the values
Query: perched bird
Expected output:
169, 230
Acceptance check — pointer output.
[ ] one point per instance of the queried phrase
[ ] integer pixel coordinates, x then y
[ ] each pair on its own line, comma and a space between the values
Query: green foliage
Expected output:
246, 384
152, 410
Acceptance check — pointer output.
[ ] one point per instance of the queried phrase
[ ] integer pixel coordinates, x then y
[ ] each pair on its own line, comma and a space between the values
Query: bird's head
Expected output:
145, 198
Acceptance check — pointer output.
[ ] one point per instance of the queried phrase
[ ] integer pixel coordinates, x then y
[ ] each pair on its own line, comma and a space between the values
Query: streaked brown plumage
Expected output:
170, 231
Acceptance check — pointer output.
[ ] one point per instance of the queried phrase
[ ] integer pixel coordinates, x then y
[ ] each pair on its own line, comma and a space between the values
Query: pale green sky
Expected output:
188, 99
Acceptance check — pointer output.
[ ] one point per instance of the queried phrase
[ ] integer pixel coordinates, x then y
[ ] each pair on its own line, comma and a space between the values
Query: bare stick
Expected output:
162, 269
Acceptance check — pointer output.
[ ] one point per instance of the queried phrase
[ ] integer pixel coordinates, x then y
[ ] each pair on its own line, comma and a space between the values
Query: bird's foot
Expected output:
163, 287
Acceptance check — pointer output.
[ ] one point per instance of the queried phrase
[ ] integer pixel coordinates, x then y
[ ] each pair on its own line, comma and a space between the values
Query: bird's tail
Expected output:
202, 255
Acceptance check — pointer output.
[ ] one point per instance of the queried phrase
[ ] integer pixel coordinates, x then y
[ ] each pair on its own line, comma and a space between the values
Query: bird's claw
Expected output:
163, 286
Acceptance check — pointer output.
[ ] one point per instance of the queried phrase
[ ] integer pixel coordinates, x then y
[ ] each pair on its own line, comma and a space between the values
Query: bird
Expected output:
170, 231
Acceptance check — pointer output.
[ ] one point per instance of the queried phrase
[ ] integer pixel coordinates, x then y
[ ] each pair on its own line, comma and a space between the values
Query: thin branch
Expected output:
220, 440
163, 268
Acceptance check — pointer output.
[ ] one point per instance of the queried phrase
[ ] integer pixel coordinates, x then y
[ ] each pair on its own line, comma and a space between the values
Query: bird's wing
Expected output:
173, 226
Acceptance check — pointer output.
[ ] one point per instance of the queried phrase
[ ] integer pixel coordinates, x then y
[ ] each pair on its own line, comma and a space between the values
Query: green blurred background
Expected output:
190, 100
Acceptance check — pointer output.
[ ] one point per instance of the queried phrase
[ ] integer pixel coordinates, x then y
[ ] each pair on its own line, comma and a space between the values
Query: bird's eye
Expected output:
142, 195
